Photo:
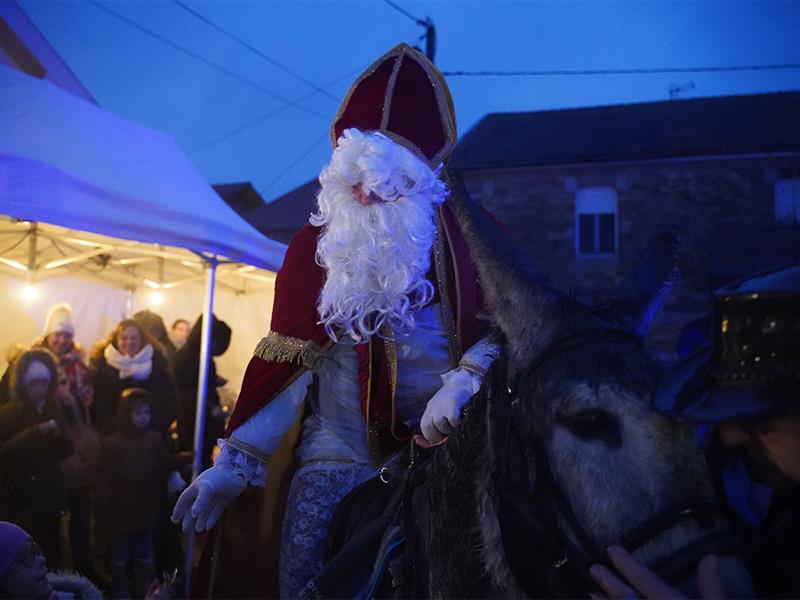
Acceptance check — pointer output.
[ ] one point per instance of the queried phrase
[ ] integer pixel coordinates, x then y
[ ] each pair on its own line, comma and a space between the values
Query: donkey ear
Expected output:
517, 294
640, 296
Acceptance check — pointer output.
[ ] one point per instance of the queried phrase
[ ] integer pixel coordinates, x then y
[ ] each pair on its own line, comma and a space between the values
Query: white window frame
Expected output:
595, 201
787, 201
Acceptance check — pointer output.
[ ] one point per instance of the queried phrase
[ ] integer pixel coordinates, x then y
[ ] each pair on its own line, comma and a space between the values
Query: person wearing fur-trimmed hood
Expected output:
33, 441
24, 574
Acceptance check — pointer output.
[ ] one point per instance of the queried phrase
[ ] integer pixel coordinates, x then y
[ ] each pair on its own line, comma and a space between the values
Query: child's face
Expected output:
140, 416
37, 382
27, 575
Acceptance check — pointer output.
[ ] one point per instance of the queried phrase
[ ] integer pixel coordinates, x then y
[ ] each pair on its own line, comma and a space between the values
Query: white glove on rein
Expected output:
443, 411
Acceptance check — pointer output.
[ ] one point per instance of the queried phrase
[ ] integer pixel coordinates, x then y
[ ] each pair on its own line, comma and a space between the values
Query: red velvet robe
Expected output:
245, 554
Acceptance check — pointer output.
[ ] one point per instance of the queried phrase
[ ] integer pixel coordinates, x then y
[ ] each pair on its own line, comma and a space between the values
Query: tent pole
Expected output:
128, 302
33, 235
202, 388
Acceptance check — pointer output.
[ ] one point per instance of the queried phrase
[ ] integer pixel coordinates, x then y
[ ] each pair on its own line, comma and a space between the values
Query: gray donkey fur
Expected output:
589, 408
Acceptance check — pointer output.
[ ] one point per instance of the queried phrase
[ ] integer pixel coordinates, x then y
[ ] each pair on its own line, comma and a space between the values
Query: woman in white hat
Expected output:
58, 336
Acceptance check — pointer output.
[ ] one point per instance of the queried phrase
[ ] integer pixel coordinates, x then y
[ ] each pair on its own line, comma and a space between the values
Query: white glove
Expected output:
201, 504
443, 411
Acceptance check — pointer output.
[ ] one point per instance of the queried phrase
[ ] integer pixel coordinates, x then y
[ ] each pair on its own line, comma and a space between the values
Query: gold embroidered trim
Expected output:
390, 346
371, 432
387, 100
457, 278
277, 347
440, 267
327, 461
472, 367
246, 448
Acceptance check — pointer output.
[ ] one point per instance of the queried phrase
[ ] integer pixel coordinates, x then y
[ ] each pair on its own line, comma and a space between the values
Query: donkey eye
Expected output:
594, 425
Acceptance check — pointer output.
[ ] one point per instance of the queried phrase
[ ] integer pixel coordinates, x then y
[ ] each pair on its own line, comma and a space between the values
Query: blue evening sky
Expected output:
234, 121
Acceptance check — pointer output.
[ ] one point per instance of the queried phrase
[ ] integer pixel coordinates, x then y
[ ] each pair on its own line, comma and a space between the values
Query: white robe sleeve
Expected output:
247, 451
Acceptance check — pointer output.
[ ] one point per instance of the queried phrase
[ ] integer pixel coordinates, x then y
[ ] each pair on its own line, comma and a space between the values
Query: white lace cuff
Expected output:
480, 357
244, 460
462, 376
474, 364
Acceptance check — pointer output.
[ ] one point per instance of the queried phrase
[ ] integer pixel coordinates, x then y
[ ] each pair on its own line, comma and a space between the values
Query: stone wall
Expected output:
723, 211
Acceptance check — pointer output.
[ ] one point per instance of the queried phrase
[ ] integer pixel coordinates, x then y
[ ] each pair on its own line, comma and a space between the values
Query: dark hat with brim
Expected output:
751, 370
691, 393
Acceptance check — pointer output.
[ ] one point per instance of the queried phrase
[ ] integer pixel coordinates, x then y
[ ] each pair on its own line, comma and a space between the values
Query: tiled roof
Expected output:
759, 123
290, 210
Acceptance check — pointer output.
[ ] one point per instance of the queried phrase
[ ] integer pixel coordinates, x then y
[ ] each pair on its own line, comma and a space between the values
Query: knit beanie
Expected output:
59, 318
12, 539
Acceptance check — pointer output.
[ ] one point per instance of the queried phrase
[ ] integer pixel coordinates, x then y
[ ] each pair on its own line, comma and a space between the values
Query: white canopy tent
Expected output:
77, 168
65, 161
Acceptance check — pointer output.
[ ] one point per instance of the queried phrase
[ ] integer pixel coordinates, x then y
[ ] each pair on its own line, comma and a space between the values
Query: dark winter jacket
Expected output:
772, 550
108, 387
186, 366
131, 477
33, 485
80, 467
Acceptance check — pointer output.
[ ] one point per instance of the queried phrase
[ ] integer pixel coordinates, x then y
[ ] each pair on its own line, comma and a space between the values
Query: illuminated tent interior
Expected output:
106, 279
102, 212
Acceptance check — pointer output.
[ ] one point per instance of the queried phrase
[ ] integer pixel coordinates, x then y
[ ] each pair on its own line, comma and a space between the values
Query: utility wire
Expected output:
403, 11
293, 164
253, 49
205, 61
545, 73
265, 116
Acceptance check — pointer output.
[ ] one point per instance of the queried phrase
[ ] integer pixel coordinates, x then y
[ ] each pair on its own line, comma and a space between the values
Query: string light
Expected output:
30, 292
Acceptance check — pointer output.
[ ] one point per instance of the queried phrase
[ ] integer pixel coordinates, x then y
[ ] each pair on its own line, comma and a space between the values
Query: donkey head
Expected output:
588, 455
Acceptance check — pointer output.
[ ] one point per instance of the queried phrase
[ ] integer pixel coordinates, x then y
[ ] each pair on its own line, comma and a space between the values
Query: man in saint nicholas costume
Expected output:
373, 335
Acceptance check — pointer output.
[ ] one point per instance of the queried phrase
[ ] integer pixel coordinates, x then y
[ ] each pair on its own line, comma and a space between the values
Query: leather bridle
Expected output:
584, 552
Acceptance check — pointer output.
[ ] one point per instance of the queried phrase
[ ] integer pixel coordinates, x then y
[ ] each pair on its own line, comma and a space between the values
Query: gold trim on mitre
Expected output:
444, 101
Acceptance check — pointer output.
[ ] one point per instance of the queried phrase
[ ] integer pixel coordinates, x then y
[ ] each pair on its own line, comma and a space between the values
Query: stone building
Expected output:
584, 190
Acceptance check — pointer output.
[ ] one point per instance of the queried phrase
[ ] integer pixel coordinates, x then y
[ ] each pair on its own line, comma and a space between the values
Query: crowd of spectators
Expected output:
90, 459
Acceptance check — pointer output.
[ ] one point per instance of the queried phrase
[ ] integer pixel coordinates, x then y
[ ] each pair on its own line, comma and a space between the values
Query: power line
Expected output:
253, 49
546, 73
265, 116
205, 61
403, 11
293, 164
430, 30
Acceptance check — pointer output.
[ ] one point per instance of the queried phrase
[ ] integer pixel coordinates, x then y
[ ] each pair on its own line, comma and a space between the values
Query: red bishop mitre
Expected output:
405, 97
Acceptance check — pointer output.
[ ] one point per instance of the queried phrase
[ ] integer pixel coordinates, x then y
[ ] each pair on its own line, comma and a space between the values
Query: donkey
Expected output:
562, 453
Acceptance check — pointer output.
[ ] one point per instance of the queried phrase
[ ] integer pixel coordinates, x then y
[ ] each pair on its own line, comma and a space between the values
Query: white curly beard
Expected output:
376, 256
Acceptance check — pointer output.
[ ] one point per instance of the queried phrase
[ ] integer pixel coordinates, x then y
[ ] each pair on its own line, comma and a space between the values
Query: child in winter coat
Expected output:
133, 467
33, 440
